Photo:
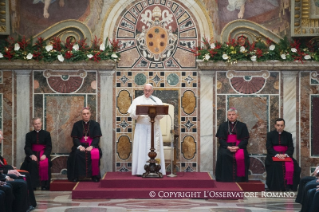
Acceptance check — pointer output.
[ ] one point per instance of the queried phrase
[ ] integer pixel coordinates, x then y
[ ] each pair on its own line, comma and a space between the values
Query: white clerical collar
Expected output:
37, 131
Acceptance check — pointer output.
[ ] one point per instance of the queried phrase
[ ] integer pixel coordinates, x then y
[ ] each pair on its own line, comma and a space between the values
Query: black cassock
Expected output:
21, 195
44, 138
276, 170
80, 163
226, 168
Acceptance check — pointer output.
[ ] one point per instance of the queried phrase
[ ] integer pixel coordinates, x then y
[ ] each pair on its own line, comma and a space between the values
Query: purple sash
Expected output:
43, 164
95, 156
239, 155
289, 165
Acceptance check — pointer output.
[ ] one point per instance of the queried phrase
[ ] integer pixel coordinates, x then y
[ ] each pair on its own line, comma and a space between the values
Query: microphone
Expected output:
152, 99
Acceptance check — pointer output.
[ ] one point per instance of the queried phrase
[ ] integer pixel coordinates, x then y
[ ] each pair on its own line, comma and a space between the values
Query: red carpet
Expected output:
122, 185
252, 186
62, 185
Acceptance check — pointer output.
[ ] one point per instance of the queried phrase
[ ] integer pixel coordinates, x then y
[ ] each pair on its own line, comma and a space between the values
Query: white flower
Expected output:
206, 57
283, 56
242, 49
272, 47
253, 58
76, 47
60, 58
29, 56
114, 55
16, 47
102, 47
307, 57
225, 56
293, 50
49, 47
212, 46
1, 55
89, 56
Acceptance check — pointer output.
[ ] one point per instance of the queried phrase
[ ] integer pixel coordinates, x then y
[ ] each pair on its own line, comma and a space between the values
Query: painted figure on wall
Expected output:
30, 18
46, 6
259, 11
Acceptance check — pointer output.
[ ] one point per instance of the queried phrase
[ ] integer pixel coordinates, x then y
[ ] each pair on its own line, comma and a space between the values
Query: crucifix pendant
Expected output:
85, 138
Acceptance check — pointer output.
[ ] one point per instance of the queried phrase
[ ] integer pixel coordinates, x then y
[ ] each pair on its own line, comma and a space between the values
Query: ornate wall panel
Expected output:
304, 18
157, 34
4, 17
58, 98
177, 88
309, 88
256, 96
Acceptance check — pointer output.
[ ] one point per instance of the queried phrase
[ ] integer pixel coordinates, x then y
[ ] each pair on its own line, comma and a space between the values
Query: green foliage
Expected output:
22, 49
233, 51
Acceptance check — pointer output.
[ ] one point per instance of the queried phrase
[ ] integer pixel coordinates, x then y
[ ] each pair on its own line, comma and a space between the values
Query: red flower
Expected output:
82, 44
212, 53
68, 54
8, 54
56, 43
96, 57
96, 43
259, 52
37, 55
23, 43
115, 45
69, 44
39, 43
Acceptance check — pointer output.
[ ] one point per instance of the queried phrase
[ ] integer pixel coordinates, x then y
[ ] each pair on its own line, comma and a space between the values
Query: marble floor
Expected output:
58, 201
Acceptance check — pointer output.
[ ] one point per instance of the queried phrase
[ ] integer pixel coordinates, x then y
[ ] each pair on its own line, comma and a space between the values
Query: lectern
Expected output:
151, 169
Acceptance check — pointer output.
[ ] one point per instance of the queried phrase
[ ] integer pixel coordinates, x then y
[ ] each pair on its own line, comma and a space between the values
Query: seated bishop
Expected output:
232, 156
84, 160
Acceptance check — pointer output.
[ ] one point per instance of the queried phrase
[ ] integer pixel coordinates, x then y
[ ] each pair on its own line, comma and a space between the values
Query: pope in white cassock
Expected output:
142, 135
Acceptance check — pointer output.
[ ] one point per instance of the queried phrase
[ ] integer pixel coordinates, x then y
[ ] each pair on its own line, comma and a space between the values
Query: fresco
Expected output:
263, 12
32, 17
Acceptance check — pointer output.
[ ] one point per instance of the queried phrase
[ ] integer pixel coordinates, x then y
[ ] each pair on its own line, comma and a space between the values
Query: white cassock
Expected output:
142, 136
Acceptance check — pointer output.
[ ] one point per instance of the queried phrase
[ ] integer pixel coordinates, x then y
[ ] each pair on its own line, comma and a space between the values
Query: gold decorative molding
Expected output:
4, 17
249, 29
67, 28
304, 18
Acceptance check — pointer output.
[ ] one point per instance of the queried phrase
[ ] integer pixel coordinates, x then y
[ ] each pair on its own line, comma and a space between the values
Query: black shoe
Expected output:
75, 180
31, 208
43, 188
95, 179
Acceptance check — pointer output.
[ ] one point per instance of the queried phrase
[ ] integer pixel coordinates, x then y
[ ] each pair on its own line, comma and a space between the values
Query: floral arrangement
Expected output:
242, 50
70, 51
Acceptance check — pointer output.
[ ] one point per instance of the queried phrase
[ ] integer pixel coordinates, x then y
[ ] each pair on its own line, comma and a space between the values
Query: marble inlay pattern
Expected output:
188, 147
172, 88
60, 111
307, 89
314, 125
124, 147
161, 32
7, 117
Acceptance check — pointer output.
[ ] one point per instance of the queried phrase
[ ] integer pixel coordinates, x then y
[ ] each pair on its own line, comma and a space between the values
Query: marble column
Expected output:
290, 103
106, 119
206, 121
23, 106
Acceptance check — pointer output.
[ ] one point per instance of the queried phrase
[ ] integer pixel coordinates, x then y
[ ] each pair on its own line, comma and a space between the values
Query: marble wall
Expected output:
201, 98
179, 88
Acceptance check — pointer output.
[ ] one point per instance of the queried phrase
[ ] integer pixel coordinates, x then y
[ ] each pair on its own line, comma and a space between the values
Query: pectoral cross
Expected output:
85, 138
